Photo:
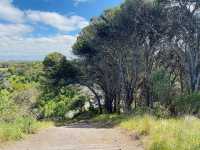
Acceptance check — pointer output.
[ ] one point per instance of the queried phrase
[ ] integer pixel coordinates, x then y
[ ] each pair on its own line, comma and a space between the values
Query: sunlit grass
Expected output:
113, 119
20, 128
166, 134
44, 124
4, 69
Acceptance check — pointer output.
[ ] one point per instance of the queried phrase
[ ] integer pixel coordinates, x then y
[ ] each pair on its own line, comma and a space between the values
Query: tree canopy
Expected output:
122, 50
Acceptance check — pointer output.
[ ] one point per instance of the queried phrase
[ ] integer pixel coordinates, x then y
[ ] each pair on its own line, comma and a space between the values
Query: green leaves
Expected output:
188, 104
57, 106
58, 71
8, 108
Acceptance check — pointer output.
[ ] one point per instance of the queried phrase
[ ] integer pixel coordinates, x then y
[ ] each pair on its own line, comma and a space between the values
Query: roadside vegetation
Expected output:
165, 134
29, 101
18, 95
157, 133
20, 128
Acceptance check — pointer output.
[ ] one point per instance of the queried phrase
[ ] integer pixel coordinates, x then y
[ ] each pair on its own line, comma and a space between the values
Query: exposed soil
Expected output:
78, 136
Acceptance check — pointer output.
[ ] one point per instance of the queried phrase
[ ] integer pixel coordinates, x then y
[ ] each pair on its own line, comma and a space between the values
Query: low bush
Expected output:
158, 111
57, 106
15, 122
188, 104
8, 108
19, 128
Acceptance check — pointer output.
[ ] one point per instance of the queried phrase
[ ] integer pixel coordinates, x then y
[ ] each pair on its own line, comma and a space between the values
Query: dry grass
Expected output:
166, 134
20, 128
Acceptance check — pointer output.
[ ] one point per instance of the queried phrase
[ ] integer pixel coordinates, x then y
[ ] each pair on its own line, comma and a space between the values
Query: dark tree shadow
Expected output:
90, 124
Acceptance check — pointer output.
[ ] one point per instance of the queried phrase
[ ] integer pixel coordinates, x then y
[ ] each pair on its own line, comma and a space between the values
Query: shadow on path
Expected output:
90, 124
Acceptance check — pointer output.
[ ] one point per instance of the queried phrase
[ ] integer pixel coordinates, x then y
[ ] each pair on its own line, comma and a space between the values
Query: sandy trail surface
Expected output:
78, 136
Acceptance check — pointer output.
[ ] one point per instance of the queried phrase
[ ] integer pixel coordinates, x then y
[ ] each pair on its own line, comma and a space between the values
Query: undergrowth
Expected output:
166, 134
159, 133
11, 131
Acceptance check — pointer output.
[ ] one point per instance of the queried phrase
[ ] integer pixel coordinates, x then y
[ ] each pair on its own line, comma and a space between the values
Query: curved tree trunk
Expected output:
96, 96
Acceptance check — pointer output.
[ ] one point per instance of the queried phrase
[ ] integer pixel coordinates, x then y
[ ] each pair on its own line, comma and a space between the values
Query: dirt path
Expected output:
79, 136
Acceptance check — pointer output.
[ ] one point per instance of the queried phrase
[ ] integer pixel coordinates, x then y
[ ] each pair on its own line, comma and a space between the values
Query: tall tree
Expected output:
184, 32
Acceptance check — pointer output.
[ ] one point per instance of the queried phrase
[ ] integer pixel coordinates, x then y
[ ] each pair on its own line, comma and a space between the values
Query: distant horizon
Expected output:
28, 58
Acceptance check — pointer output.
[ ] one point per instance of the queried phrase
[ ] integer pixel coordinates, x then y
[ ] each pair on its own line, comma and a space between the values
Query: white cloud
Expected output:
58, 21
10, 13
17, 41
14, 29
36, 47
76, 2
17, 44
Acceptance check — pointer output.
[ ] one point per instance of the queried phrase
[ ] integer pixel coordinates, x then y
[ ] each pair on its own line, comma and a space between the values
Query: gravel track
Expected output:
78, 136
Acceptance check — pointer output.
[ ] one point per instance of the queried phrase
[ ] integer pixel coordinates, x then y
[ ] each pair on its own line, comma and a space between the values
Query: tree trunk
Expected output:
127, 109
128, 101
115, 104
109, 98
108, 105
98, 99
118, 104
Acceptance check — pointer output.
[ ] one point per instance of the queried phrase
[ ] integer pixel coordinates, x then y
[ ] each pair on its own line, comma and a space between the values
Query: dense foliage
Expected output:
143, 53
57, 106
18, 96
58, 98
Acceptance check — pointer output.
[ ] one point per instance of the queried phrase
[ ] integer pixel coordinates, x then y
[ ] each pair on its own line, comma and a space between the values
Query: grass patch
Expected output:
110, 120
20, 128
44, 124
4, 69
159, 134
166, 134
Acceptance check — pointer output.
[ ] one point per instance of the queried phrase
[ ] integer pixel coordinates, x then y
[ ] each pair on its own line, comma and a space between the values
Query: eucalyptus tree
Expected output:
119, 47
115, 60
147, 18
171, 57
184, 32
94, 49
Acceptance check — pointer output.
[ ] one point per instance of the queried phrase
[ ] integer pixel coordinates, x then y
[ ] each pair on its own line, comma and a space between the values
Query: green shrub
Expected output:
158, 111
17, 129
56, 107
8, 108
162, 88
27, 124
78, 102
48, 109
60, 109
17, 100
188, 104
10, 131
142, 111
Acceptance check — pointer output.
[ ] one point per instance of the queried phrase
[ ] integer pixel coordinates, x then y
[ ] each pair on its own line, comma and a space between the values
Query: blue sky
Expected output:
30, 29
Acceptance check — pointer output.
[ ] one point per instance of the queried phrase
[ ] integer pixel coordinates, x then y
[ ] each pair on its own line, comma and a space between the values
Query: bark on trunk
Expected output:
98, 99
108, 105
